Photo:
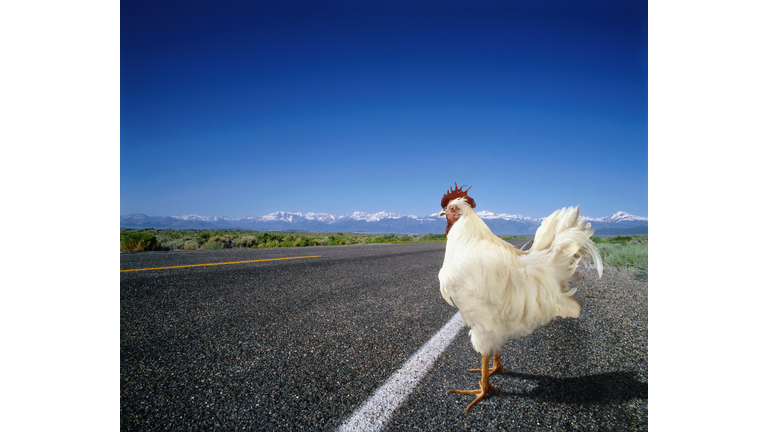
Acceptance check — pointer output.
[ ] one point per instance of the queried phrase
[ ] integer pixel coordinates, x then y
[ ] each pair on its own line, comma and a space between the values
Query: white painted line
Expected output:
374, 415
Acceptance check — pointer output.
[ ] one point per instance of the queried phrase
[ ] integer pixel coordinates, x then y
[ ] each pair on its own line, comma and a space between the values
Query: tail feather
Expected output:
595, 254
565, 232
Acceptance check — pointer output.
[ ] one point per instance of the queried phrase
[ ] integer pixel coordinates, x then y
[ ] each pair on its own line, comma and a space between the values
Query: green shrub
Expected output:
248, 241
203, 236
211, 244
190, 245
139, 241
173, 244
305, 241
273, 243
337, 239
265, 237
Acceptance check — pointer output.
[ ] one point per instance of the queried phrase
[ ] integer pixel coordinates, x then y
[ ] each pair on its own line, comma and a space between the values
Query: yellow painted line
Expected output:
210, 264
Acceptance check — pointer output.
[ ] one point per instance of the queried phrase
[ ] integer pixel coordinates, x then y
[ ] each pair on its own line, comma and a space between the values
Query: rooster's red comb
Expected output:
452, 194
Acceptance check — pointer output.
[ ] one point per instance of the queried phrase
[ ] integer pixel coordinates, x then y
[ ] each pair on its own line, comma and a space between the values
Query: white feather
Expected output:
504, 293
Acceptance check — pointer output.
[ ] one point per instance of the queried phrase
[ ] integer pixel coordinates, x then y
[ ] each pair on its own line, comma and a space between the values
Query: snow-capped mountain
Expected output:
618, 217
375, 217
283, 216
357, 216
516, 217
321, 217
620, 223
212, 219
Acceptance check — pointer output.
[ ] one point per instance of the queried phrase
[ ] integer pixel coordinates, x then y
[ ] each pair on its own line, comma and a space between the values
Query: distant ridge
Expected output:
620, 223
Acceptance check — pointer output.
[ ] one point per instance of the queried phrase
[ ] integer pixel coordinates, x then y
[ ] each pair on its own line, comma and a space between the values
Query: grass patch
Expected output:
433, 237
211, 244
514, 237
625, 240
625, 252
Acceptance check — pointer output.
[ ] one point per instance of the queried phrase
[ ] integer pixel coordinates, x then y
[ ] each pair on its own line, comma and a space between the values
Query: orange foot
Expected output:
485, 387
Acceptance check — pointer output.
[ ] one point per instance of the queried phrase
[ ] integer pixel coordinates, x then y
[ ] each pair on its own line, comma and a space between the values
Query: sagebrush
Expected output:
188, 239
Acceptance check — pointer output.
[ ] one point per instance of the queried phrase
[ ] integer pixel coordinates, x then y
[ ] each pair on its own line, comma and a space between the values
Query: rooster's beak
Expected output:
442, 213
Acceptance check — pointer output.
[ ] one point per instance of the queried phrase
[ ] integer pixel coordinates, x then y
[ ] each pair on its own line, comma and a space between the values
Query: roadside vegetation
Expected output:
136, 241
627, 252
150, 239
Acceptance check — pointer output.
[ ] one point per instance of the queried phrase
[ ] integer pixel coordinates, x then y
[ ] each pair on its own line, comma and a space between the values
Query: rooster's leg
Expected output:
484, 385
497, 367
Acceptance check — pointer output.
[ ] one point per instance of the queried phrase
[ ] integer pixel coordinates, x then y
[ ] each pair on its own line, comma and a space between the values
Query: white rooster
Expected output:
502, 292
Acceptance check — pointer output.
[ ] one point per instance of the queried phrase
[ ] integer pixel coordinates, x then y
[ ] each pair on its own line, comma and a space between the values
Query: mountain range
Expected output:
620, 223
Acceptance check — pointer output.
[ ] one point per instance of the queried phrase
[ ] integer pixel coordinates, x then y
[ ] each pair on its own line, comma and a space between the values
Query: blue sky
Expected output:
235, 109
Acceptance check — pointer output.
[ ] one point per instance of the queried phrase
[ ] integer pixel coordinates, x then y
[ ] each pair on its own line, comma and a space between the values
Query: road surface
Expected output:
256, 341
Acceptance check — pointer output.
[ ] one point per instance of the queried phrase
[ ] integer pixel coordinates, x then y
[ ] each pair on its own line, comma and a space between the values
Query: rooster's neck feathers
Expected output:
469, 225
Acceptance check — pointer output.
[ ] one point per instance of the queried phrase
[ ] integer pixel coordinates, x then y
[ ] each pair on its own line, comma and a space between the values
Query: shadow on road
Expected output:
591, 389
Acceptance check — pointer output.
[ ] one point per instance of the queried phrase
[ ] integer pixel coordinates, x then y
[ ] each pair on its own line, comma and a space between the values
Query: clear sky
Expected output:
235, 109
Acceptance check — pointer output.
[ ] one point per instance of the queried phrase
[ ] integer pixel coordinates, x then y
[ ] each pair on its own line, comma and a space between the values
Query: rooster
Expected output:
502, 292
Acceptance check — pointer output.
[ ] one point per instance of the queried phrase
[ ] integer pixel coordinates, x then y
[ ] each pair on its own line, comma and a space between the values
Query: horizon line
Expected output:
366, 213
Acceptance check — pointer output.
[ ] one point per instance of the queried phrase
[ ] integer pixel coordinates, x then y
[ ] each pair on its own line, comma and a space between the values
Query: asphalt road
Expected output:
299, 344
